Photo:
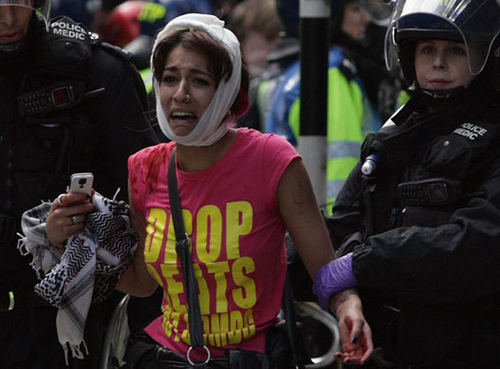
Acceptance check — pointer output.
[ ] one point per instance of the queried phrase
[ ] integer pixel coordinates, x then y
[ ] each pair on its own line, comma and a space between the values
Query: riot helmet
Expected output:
380, 10
476, 23
41, 7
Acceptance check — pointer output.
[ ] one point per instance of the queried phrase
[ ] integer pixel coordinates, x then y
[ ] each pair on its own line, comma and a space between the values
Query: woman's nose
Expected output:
181, 91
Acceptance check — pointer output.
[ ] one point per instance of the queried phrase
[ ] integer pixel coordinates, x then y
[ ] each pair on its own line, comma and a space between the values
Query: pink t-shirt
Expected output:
231, 213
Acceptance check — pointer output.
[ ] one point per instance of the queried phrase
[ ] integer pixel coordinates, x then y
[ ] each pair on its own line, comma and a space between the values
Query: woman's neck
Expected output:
197, 158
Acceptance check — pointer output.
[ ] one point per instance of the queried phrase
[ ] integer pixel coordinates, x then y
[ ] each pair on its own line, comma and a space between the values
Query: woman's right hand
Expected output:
67, 217
355, 333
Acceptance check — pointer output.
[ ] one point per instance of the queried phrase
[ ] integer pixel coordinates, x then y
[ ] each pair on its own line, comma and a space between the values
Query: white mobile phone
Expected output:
81, 183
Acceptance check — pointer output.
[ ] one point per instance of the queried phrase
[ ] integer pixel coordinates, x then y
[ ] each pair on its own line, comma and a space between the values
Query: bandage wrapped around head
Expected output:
211, 126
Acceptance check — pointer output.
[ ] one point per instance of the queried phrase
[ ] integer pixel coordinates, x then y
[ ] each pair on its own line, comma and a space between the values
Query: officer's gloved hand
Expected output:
333, 277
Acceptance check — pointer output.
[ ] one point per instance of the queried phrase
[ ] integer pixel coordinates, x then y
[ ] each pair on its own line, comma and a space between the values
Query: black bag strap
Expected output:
299, 352
182, 247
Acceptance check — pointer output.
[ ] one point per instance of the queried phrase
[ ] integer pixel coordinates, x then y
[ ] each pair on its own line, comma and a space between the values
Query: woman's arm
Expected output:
300, 213
136, 279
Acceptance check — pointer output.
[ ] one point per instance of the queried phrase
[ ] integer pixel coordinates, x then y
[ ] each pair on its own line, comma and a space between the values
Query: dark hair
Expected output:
218, 56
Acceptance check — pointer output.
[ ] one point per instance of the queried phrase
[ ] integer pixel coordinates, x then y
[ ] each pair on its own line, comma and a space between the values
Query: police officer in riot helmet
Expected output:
418, 220
408, 30
67, 104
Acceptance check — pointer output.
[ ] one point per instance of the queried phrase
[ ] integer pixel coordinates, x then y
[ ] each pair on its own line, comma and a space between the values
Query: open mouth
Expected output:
183, 116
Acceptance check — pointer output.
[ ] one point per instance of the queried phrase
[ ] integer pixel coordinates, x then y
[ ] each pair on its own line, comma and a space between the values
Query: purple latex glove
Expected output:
333, 277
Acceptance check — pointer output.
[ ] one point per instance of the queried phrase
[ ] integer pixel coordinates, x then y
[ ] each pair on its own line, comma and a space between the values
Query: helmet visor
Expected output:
42, 7
380, 10
475, 22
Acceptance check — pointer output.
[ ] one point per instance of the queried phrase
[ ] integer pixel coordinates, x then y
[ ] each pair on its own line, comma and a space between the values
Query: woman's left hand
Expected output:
355, 333
66, 217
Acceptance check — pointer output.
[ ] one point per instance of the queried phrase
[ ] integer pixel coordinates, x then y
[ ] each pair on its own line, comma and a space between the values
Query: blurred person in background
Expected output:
353, 110
257, 25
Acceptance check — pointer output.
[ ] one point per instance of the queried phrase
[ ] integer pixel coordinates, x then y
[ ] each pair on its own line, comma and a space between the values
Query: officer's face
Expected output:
441, 64
186, 72
14, 23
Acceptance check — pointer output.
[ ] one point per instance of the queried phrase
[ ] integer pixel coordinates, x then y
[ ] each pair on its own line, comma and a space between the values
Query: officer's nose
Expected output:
8, 15
439, 60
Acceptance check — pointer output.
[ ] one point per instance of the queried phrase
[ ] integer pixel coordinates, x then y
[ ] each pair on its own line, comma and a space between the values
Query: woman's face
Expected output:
441, 65
356, 19
14, 23
186, 72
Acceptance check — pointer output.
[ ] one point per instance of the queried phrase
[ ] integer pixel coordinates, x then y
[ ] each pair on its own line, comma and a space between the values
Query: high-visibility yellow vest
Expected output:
350, 116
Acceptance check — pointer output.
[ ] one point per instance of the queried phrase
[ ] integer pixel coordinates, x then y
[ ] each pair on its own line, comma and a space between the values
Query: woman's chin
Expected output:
182, 130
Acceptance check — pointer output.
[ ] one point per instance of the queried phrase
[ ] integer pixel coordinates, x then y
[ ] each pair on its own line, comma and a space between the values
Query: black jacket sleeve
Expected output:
454, 262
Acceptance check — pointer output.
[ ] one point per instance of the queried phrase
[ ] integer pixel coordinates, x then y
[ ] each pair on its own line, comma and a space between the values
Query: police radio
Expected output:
59, 96
429, 192
370, 164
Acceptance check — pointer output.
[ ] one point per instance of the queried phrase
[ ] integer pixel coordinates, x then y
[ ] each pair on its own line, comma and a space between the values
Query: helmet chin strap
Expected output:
14, 46
442, 94
443, 98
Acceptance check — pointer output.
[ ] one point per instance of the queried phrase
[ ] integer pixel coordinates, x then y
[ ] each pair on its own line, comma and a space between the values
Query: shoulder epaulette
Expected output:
115, 50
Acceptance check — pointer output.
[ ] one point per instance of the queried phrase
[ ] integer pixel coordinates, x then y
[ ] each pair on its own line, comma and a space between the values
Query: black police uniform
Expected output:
424, 229
69, 104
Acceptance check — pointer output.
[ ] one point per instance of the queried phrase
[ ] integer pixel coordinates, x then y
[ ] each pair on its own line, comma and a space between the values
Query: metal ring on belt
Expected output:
188, 355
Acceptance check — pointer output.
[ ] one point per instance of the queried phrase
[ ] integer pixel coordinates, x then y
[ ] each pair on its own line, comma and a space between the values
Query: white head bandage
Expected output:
210, 128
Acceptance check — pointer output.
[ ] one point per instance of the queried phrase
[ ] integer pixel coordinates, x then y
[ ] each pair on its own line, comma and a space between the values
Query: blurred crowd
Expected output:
268, 31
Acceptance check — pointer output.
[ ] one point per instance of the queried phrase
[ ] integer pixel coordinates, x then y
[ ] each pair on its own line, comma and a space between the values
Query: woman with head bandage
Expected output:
212, 125
240, 191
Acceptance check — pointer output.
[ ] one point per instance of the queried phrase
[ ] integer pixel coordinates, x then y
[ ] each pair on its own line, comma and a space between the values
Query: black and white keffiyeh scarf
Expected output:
87, 270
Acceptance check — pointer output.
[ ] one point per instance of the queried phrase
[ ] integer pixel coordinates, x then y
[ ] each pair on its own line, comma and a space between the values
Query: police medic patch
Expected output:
65, 27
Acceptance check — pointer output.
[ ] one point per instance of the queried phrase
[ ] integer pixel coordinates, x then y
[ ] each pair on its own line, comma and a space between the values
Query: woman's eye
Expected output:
168, 79
201, 82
